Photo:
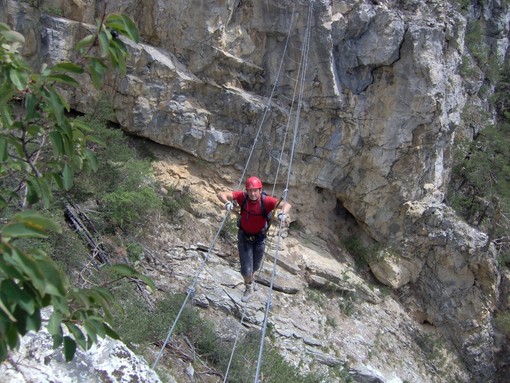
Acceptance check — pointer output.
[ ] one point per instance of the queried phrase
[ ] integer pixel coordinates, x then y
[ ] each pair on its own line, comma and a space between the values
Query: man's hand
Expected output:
281, 216
229, 205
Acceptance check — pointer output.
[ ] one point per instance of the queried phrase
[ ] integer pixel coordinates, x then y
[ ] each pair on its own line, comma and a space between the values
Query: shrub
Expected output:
480, 175
118, 165
134, 251
362, 254
141, 327
502, 322
174, 200
475, 33
347, 305
130, 210
229, 229
504, 259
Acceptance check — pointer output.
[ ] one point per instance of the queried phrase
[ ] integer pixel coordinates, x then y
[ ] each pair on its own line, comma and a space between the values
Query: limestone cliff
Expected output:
381, 110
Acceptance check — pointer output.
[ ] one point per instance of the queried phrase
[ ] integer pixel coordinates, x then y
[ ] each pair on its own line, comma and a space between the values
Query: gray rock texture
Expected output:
380, 111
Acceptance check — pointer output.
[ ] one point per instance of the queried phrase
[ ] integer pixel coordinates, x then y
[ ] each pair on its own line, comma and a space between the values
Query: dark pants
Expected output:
251, 251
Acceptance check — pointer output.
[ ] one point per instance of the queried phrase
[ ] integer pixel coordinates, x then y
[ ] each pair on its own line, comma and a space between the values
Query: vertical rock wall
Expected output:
382, 106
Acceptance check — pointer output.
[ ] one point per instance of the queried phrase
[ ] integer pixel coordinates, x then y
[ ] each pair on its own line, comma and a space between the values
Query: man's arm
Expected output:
225, 196
285, 207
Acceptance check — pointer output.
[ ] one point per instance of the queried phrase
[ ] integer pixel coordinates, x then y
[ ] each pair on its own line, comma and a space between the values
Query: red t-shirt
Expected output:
252, 218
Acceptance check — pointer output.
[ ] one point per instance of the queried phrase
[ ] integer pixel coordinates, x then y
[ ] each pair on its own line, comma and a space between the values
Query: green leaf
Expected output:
3, 149
57, 106
54, 281
33, 321
18, 78
104, 41
18, 147
94, 327
3, 202
98, 296
37, 220
120, 47
25, 322
102, 297
20, 230
67, 129
148, 281
34, 129
78, 136
58, 180
12, 336
9, 270
45, 191
118, 53
68, 67
68, 176
5, 114
26, 266
97, 323
3, 349
77, 163
114, 55
6, 311
85, 42
81, 125
69, 348
54, 324
68, 145
13, 36
18, 296
32, 192
92, 159
109, 331
64, 79
45, 71
30, 106
77, 334
124, 25
60, 304
91, 332
96, 140
58, 143
57, 340
128, 271
97, 69
124, 270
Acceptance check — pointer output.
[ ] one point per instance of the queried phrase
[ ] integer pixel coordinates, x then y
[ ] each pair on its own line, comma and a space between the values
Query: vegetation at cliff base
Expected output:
196, 340
480, 184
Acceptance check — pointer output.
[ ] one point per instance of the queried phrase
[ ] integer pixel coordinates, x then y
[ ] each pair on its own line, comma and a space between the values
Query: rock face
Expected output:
107, 361
381, 106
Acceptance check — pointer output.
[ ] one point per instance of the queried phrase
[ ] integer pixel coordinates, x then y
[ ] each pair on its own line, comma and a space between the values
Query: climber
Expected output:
255, 215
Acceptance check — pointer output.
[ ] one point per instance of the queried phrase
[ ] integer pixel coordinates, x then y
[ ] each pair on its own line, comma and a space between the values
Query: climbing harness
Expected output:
268, 216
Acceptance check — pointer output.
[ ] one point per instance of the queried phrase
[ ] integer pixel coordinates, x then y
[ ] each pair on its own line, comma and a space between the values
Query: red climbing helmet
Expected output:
253, 183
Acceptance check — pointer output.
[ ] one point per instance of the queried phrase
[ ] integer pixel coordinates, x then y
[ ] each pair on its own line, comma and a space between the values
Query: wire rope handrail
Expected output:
304, 57
246, 167
268, 107
191, 289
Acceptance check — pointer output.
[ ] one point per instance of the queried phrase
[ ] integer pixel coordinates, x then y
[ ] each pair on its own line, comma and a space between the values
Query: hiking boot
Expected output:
247, 292
255, 285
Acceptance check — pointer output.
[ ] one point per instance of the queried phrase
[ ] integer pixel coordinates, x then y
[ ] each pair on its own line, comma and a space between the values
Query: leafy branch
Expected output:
41, 150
